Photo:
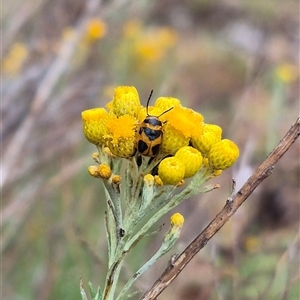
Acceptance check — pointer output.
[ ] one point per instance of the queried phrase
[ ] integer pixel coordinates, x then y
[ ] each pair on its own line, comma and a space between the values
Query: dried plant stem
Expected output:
177, 264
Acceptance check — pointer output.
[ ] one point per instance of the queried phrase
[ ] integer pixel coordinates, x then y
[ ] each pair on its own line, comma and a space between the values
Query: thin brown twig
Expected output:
232, 204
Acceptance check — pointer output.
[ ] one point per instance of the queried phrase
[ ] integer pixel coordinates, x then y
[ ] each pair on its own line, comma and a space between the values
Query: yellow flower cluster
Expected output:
149, 45
144, 48
102, 171
180, 134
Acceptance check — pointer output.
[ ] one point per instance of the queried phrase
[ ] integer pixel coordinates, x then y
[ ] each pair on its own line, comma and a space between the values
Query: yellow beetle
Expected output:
149, 133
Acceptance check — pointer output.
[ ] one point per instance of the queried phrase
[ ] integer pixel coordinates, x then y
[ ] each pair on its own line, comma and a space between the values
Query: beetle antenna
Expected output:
149, 101
165, 112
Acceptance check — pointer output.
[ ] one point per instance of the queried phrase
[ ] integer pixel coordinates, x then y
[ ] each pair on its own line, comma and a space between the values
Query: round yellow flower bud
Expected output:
177, 220
104, 171
217, 173
211, 135
186, 121
191, 158
149, 179
107, 151
180, 183
158, 181
93, 171
171, 170
126, 101
116, 179
223, 154
96, 157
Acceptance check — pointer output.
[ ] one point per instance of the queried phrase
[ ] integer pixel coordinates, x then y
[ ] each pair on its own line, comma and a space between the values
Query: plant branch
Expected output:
177, 264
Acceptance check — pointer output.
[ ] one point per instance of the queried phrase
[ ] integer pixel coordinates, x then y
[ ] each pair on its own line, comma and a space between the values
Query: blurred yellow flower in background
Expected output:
142, 48
13, 61
287, 72
96, 29
132, 28
153, 44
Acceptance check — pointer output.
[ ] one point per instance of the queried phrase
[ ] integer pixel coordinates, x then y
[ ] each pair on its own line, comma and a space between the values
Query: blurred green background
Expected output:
236, 62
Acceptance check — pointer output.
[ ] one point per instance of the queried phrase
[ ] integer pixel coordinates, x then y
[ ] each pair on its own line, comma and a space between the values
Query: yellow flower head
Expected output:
223, 154
191, 158
126, 101
211, 134
165, 103
186, 121
96, 29
171, 170
121, 135
177, 220
94, 125
181, 125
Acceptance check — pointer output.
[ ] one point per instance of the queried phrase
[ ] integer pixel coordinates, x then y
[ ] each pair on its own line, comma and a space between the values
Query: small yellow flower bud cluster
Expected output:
102, 171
